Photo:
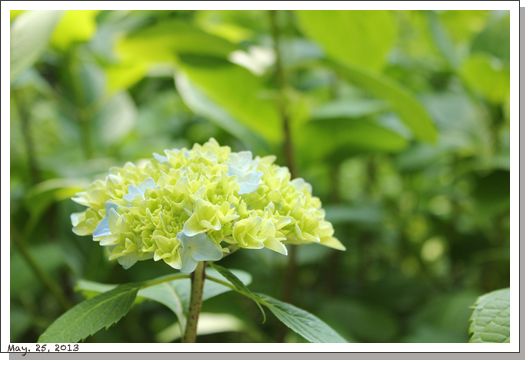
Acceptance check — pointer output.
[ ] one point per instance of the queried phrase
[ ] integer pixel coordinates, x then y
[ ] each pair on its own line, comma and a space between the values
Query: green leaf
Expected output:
349, 108
163, 41
116, 119
302, 322
30, 34
488, 76
401, 100
442, 40
75, 26
44, 194
347, 136
209, 323
490, 321
240, 286
353, 37
173, 294
121, 76
14, 13
494, 39
237, 91
92, 315
202, 106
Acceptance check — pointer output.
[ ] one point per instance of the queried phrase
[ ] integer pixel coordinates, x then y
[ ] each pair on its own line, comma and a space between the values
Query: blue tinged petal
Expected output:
102, 229
188, 263
128, 260
146, 184
200, 247
245, 188
139, 190
160, 158
108, 206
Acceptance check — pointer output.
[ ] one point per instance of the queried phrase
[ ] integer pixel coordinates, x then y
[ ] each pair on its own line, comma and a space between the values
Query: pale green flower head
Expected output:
192, 205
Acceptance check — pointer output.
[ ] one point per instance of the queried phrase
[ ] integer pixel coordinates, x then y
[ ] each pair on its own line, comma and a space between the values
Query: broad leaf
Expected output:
30, 34
346, 137
174, 294
349, 108
44, 194
116, 119
74, 26
237, 91
238, 284
302, 322
411, 112
494, 39
202, 106
490, 321
488, 76
442, 40
353, 37
92, 315
164, 40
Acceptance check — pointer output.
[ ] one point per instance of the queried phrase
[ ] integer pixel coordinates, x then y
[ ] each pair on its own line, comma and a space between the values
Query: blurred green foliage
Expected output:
399, 120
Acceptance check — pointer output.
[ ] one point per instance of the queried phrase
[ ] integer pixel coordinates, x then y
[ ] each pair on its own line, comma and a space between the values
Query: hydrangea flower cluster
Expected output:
190, 205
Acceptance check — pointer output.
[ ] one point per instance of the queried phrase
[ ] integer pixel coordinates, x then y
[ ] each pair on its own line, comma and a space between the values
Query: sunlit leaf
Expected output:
490, 321
30, 34
353, 37
162, 41
488, 76
236, 90
74, 26
123, 75
202, 106
15, 13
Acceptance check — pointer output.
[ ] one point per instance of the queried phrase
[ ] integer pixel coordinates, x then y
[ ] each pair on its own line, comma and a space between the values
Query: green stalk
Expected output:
197, 287
164, 280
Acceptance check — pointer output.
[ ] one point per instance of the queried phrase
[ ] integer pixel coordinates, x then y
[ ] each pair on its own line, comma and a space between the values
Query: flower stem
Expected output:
197, 286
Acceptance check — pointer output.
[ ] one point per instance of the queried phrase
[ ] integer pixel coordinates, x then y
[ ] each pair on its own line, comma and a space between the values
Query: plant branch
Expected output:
197, 287
165, 280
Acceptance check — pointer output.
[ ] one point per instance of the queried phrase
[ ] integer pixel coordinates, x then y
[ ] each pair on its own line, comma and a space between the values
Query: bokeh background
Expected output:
398, 119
